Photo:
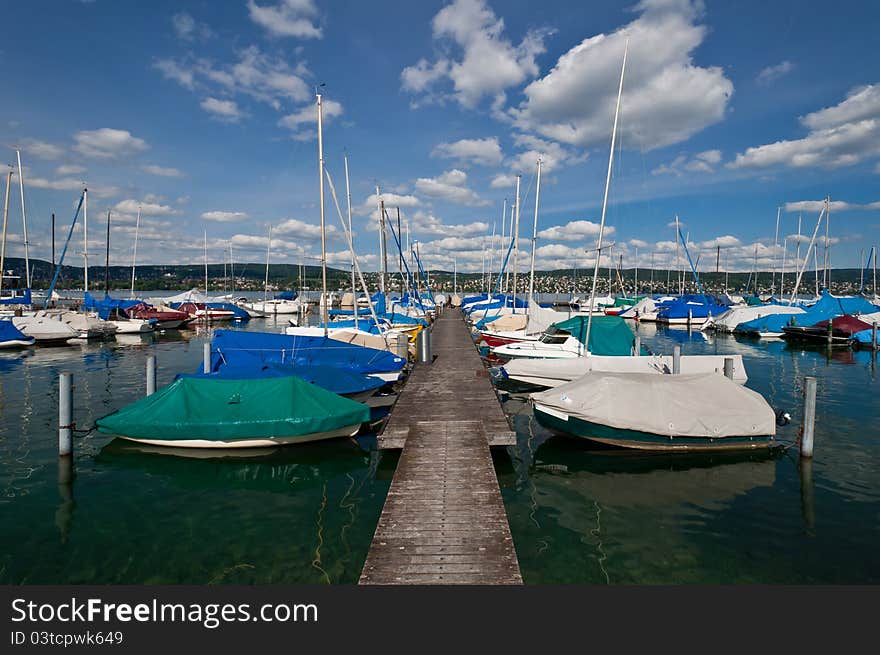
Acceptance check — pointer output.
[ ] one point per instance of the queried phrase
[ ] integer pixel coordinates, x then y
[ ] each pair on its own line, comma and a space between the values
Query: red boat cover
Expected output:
847, 325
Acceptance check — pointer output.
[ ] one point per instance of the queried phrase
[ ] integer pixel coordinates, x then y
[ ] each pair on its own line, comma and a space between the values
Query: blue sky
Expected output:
202, 113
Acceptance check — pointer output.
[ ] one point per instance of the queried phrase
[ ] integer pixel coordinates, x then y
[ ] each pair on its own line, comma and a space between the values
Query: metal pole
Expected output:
27, 264
86, 239
676, 360
151, 375
206, 358
637, 346
65, 414
535, 233
5, 223
874, 335
808, 429
728, 367
325, 316
516, 244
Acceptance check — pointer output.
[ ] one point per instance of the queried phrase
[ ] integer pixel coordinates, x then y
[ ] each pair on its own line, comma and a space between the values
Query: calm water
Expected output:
306, 514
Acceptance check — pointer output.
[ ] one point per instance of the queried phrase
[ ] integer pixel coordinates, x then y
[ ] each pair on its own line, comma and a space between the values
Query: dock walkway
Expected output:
444, 521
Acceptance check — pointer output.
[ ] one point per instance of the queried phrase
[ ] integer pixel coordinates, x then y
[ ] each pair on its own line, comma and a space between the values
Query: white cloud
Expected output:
702, 162
187, 28
287, 18
426, 223
108, 143
41, 149
815, 206
308, 115
224, 110
161, 171
485, 152
666, 97
841, 135
726, 241
69, 169
503, 181
171, 70
552, 155
131, 206
772, 73
303, 230
63, 184
489, 61
224, 217
574, 231
450, 186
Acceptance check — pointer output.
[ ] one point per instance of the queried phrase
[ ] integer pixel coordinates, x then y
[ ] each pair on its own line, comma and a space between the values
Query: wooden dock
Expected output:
444, 521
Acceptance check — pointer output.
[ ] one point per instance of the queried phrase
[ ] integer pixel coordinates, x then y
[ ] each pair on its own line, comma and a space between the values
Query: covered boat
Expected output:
841, 330
45, 329
162, 319
234, 413
654, 412
826, 307
727, 321
609, 335
12, 337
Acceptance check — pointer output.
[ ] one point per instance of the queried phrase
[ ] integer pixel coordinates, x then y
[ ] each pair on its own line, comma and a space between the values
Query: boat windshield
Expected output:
553, 338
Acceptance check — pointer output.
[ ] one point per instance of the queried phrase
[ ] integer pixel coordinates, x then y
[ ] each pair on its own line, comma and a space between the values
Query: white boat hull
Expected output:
259, 442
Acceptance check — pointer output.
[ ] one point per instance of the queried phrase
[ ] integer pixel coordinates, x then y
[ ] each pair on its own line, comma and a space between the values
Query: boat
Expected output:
274, 306
195, 412
826, 307
841, 330
45, 329
205, 311
662, 413
553, 373
610, 335
12, 337
729, 320
163, 318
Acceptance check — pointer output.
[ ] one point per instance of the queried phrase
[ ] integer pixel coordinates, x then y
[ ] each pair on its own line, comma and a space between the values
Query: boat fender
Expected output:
782, 418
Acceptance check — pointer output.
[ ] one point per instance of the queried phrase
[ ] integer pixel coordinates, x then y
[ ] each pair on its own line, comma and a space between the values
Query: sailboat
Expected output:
279, 305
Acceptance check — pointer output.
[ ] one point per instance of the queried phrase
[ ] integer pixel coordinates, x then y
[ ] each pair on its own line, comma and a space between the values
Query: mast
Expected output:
326, 301
782, 276
509, 240
803, 267
381, 204
107, 259
85, 239
206, 262
605, 199
515, 243
828, 244
535, 233
353, 283
5, 223
503, 237
775, 254
134, 252
266, 281
53, 241
27, 263
636, 275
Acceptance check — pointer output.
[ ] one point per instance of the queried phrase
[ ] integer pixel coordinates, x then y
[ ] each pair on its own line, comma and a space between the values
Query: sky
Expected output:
202, 115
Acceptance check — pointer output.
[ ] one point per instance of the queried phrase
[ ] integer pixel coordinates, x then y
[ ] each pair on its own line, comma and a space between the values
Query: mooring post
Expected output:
690, 317
151, 375
425, 346
728, 367
808, 429
637, 346
676, 360
830, 329
206, 358
874, 335
808, 502
65, 414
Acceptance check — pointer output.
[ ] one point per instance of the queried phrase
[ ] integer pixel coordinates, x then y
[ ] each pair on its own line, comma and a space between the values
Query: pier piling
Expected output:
425, 346
206, 358
676, 360
874, 335
637, 346
808, 429
728, 367
65, 414
151, 375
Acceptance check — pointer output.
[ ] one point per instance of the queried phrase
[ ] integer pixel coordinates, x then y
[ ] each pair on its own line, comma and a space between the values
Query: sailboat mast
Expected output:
27, 259
828, 244
266, 281
535, 233
605, 199
353, 282
5, 223
107, 259
134, 252
86, 239
636, 275
775, 253
515, 242
502, 240
206, 262
380, 205
53, 240
325, 300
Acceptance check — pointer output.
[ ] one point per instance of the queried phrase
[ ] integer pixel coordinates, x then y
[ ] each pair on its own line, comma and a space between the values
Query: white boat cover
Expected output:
456, 301
552, 373
644, 306
192, 295
870, 318
508, 323
703, 405
728, 321
540, 318
392, 341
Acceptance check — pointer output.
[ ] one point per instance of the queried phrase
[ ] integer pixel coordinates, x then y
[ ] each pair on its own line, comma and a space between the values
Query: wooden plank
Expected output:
444, 521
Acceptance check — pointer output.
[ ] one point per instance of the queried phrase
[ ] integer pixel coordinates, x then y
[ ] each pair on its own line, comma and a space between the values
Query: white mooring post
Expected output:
728, 367
637, 346
808, 429
65, 414
690, 317
676, 360
206, 358
151, 375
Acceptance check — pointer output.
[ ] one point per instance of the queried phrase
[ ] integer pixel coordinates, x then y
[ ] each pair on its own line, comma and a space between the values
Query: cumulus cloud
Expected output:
224, 216
69, 169
484, 152
503, 181
188, 29
308, 115
450, 186
482, 61
293, 18
772, 73
551, 154
41, 149
108, 143
131, 206
815, 206
574, 231
841, 135
667, 98
224, 110
426, 223
161, 171
702, 162
303, 230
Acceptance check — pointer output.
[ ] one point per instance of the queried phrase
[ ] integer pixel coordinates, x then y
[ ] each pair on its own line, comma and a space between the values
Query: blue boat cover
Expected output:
336, 380
107, 305
699, 307
238, 348
24, 299
239, 313
286, 295
826, 307
864, 336
8, 332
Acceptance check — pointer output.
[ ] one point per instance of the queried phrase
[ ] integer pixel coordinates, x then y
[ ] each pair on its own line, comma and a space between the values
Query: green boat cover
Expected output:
609, 335
624, 302
223, 409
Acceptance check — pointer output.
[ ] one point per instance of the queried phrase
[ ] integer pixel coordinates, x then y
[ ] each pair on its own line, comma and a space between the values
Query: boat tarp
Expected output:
695, 306
609, 335
736, 315
336, 380
235, 347
865, 336
848, 325
8, 332
193, 295
826, 307
644, 306
237, 312
541, 318
107, 305
224, 409
701, 405
508, 322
